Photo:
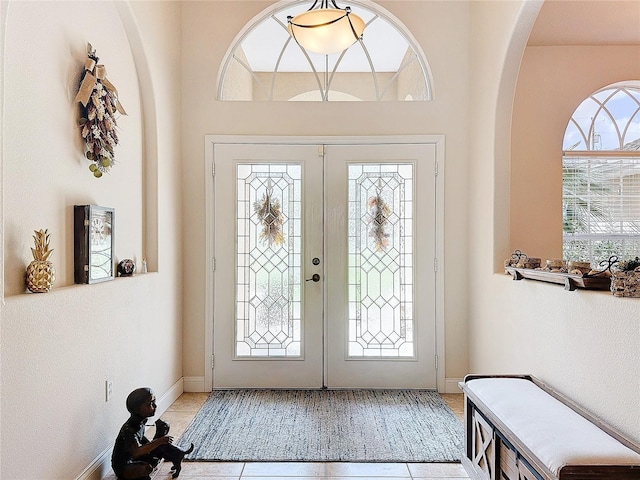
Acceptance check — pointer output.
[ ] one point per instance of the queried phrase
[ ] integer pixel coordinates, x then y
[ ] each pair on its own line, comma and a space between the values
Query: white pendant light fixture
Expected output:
326, 30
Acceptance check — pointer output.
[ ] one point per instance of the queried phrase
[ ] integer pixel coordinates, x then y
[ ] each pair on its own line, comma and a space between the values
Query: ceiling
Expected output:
590, 22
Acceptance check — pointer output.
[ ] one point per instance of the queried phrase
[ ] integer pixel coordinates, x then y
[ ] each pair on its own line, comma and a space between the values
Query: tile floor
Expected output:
184, 408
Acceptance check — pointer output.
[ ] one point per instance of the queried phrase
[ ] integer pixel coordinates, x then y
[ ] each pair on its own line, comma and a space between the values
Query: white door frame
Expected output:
437, 140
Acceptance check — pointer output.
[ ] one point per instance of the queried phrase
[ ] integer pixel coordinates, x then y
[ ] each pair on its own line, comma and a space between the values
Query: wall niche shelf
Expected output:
570, 281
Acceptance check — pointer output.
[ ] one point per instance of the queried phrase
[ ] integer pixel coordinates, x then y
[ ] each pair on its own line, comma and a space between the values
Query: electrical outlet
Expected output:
108, 390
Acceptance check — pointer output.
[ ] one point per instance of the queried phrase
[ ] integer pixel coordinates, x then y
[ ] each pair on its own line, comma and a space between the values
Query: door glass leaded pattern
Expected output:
268, 283
380, 261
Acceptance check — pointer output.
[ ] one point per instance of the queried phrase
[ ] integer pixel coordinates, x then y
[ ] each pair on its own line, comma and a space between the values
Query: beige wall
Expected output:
59, 348
439, 27
583, 343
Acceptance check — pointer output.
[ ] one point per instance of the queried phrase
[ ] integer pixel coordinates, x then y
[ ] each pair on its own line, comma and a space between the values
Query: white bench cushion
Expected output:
556, 434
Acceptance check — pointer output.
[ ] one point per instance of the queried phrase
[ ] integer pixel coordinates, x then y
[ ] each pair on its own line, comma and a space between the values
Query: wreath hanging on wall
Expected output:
99, 103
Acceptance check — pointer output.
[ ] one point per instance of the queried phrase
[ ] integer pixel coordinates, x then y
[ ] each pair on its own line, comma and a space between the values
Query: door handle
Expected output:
314, 278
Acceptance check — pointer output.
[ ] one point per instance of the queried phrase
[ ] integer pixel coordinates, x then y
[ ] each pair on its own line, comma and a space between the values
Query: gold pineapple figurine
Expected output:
41, 273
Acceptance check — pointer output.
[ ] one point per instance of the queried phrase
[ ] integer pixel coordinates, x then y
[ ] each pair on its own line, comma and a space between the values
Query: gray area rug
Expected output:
324, 426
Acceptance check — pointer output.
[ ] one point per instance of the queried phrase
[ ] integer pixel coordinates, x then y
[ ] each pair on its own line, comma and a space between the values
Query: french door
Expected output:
324, 266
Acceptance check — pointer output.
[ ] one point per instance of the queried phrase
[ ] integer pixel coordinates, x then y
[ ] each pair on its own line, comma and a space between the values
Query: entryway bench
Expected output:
518, 428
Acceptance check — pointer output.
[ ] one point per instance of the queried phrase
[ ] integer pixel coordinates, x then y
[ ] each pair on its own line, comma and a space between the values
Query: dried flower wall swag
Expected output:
99, 103
378, 219
271, 217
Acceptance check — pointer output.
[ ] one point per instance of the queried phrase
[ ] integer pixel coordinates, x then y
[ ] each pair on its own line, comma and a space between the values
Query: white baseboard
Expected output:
101, 465
169, 397
99, 468
451, 385
194, 384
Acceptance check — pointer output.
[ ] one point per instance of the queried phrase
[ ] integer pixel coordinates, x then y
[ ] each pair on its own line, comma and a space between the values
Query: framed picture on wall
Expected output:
93, 243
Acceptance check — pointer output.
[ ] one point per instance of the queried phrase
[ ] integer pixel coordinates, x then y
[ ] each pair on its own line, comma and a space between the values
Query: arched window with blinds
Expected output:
601, 176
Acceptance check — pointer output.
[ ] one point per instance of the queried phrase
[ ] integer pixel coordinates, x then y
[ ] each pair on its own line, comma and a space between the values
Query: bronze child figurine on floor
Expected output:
134, 455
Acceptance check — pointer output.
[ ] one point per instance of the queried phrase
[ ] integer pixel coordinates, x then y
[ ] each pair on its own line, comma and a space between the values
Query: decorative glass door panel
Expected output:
380, 261
269, 260
380, 226
267, 319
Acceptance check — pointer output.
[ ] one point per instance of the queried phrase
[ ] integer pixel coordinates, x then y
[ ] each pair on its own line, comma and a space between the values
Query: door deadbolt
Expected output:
314, 278
316, 261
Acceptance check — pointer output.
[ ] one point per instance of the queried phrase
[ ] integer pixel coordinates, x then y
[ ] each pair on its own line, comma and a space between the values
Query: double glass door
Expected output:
324, 266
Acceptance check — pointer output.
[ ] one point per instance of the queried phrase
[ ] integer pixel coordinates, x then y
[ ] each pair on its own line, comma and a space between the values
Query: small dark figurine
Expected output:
175, 456
126, 268
162, 428
134, 455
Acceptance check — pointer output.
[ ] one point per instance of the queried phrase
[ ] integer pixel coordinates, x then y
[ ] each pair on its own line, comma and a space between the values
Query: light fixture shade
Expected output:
326, 30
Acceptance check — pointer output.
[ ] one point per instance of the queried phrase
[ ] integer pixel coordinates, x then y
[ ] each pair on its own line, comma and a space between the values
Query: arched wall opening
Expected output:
552, 81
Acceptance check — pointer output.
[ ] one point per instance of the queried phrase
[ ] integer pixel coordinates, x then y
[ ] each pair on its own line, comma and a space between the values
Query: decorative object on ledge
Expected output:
519, 259
607, 268
572, 274
570, 281
126, 268
628, 265
93, 243
625, 279
516, 260
556, 265
578, 268
40, 272
99, 104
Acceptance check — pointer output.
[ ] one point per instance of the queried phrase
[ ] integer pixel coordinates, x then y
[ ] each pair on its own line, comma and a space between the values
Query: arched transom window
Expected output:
601, 176
265, 63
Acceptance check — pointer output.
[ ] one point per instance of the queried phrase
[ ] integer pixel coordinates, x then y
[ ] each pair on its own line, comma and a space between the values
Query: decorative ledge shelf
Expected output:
66, 289
569, 280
